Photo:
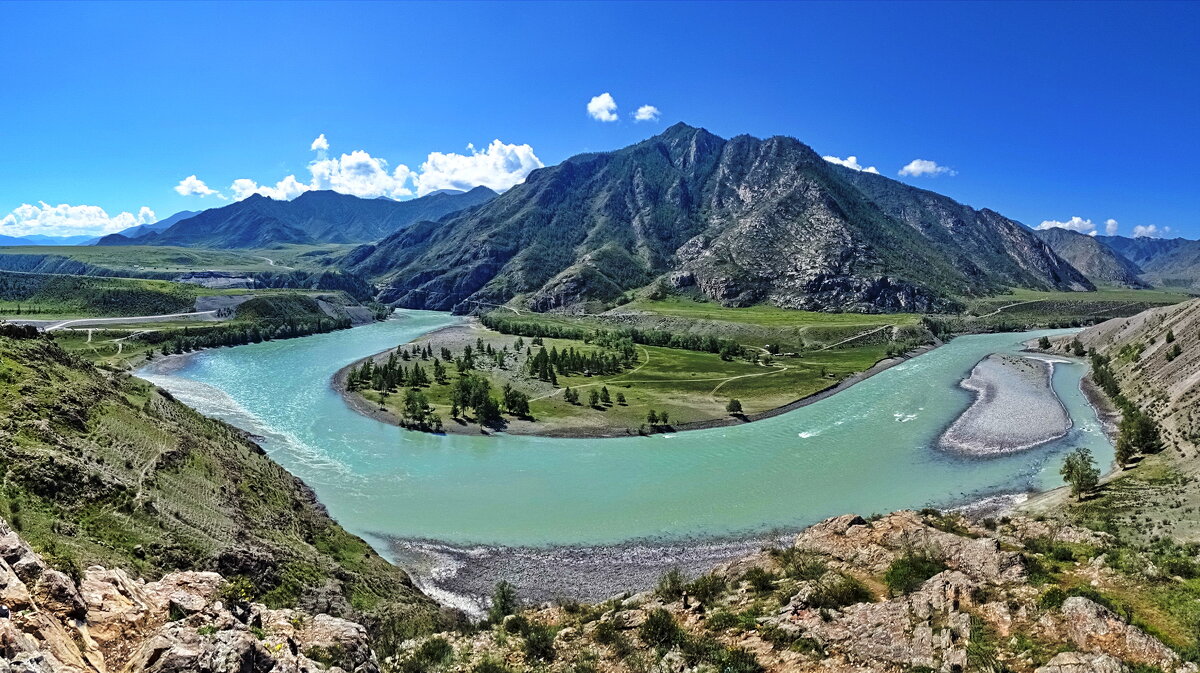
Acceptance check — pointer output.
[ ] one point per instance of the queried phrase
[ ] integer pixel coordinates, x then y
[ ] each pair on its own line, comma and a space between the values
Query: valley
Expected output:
673, 367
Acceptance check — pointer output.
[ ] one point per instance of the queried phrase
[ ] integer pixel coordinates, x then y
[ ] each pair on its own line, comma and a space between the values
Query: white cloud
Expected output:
68, 220
360, 174
193, 186
1110, 227
851, 162
1149, 231
499, 167
284, 190
602, 108
1074, 224
646, 113
919, 167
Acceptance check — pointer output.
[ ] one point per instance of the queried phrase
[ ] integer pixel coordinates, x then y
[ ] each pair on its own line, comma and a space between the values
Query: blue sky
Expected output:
1042, 111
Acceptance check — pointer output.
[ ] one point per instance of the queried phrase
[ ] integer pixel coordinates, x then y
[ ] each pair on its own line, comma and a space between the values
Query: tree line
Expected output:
727, 348
190, 339
1138, 433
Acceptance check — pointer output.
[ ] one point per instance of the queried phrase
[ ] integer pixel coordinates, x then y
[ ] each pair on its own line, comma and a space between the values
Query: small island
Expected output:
1015, 408
562, 376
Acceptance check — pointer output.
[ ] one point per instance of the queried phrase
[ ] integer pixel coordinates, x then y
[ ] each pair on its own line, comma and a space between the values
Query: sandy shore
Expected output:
1015, 408
457, 336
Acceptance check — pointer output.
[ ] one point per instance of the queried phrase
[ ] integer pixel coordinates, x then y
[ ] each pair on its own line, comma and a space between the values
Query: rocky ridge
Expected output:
107, 621
741, 221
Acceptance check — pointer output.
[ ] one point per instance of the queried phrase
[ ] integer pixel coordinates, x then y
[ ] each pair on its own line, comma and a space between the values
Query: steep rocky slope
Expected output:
106, 620
1100, 263
743, 220
101, 468
312, 217
903, 592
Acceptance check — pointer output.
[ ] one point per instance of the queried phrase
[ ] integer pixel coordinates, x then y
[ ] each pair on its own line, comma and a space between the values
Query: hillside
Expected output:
103, 468
312, 217
1099, 262
742, 221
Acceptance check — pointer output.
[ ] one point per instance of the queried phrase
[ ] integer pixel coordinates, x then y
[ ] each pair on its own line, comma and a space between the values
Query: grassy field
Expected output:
689, 385
767, 316
150, 258
1115, 301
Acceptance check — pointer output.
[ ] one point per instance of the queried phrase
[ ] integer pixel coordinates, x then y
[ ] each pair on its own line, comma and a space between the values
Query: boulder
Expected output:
1093, 628
1078, 662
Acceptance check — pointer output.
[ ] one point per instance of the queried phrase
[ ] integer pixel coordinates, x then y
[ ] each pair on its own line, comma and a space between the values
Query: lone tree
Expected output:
1044, 343
734, 407
593, 398
621, 398
652, 417
1080, 471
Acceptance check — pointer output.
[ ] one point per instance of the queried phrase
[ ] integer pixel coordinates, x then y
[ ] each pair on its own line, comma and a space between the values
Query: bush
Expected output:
838, 592
907, 573
539, 643
660, 630
760, 580
799, 564
671, 586
1052, 598
706, 588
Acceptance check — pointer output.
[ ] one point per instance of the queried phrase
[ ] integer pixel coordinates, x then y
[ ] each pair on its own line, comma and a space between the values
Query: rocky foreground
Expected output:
906, 592
107, 621
910, 591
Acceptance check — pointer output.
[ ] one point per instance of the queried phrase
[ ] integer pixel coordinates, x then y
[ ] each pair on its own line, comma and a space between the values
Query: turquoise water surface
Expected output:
867, 449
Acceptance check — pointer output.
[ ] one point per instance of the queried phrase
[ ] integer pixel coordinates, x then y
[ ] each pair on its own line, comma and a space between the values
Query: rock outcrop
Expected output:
185, 622
909, 591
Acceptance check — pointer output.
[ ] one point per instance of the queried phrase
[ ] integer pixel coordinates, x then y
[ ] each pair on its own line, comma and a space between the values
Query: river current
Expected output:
870, 448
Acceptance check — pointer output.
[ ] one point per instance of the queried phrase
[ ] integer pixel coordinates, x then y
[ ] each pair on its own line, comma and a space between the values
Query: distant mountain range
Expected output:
1130, 262
1096, 260
742, 221
312, 217
41, 239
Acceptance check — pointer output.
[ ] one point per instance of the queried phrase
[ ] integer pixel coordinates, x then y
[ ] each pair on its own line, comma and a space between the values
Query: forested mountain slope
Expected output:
743, 220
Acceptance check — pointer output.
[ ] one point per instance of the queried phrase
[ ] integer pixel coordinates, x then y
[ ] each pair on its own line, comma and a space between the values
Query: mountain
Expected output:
41, 239
742, 220
1099, 262
154, 227
1167, 262
312, 217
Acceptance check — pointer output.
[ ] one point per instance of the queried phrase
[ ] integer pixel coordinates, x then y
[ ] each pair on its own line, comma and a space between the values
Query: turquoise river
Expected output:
867, 449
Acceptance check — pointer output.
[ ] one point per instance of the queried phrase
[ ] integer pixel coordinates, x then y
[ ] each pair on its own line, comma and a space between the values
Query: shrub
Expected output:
799, 564
670, 586
660, 630
1052, 598
539, 643
760, 580
839, 591
706, 588
907, 573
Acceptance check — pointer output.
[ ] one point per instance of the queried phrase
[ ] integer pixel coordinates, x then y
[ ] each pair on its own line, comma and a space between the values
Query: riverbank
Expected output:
469, 332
